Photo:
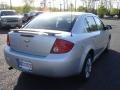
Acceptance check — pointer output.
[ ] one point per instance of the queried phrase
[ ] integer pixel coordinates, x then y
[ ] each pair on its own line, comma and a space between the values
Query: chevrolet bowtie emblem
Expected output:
26, 41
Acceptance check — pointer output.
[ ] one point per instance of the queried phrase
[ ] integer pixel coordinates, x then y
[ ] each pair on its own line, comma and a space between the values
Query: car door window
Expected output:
99, 23
91, 23
86, 25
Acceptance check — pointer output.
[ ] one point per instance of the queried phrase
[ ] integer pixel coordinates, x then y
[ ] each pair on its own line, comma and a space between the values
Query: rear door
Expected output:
94, 33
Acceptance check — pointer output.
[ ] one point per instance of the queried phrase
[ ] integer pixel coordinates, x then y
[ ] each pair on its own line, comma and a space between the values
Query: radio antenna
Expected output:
71, 5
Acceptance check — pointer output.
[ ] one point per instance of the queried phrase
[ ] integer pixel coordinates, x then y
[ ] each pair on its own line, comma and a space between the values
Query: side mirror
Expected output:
108, 27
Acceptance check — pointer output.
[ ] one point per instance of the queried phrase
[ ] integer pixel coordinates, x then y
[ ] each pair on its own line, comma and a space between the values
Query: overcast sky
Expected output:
37, 2
56, 3
18, 2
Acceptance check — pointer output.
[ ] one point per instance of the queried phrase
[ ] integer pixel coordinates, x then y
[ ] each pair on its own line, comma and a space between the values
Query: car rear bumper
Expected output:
52, 65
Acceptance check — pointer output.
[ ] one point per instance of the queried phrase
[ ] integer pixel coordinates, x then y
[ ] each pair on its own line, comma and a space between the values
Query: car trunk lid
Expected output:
35, 42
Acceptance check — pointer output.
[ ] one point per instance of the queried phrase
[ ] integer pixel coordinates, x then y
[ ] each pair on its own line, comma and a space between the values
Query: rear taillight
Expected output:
61, 46
8, 40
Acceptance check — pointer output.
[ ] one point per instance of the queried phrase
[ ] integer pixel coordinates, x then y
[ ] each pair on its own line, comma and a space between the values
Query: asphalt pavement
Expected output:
105, 75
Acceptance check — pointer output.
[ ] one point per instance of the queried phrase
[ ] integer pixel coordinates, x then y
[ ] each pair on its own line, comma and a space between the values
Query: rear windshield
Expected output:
5, 13
52, 22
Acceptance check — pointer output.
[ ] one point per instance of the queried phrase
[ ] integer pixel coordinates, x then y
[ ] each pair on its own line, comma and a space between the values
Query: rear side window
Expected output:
91, 24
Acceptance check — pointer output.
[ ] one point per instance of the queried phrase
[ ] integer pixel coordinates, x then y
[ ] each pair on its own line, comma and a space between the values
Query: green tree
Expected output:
82, 9
27, 5
90, 5
28, 2
26, 8
53, 9
18, 9
101, 11
114, 11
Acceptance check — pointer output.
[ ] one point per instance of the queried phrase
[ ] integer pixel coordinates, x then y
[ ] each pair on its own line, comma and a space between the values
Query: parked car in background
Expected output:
9, 18
25, 17
30, 15
58, 44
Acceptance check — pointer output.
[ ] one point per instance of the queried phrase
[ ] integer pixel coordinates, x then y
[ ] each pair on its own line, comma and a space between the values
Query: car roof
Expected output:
72, 13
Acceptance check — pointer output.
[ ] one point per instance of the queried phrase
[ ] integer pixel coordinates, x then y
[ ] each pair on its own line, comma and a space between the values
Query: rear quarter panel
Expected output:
83, 43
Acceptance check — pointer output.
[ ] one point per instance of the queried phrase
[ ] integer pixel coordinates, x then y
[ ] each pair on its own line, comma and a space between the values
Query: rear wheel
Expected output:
87, 68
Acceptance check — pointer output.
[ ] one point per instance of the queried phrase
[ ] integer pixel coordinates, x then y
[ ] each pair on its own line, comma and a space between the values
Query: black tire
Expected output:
87, 68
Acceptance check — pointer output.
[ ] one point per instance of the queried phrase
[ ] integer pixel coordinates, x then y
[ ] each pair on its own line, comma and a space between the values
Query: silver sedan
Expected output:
58, 44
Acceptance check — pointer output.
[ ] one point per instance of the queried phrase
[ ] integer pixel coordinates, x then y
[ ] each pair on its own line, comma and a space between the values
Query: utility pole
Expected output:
71, 7
64, 4
10, 4
67, 4
75, 5
44, 3
60, 7
49, 5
